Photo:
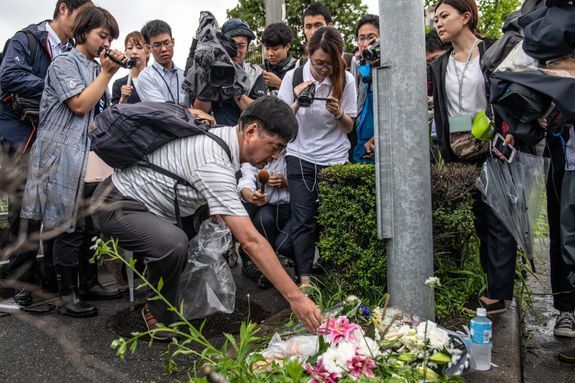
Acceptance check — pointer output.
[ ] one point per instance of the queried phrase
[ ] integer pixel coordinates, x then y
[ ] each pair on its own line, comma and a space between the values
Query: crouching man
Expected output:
139, 203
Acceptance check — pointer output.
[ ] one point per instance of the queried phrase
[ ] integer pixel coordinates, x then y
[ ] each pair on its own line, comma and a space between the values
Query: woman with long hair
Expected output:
75, 93
321, 139
135, 48
459, 93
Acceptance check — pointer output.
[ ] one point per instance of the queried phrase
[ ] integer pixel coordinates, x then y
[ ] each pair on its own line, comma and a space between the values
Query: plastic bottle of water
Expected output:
481, 332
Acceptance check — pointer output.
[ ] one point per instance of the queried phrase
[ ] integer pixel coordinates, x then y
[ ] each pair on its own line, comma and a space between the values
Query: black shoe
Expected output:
70, 304
99, 292
249, 268
22, 297
264, 283
565, 325
473, 304
567, 356
90, 287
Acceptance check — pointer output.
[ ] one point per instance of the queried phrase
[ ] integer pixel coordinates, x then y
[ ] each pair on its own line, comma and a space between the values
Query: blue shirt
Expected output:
159, 84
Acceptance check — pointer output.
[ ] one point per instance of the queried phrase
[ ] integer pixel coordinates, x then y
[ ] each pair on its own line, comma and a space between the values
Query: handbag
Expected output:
26, 108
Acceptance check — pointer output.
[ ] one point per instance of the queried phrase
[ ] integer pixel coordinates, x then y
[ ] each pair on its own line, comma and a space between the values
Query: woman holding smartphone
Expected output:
322, 135
459, 93
74, 94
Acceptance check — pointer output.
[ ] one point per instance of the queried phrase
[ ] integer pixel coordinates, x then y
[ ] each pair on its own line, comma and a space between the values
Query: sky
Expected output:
182, 15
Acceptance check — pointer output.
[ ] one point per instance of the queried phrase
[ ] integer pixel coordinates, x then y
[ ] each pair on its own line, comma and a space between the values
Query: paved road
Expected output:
53, 348
540, 361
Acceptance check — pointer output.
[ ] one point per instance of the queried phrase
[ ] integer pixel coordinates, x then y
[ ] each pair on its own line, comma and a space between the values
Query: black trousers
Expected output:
563, 292
69, 249
568, 232
163, 245
497, 250
274, 223
303, 189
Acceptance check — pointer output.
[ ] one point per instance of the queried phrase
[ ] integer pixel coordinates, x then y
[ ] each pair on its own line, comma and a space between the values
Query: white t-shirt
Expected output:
473, 91
200, 161
319, 139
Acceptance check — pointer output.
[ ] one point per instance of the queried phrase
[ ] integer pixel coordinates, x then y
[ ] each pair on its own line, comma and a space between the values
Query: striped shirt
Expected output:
201, 162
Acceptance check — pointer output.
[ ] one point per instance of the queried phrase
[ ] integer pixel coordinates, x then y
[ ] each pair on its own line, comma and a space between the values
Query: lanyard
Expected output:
460, 79
168, 86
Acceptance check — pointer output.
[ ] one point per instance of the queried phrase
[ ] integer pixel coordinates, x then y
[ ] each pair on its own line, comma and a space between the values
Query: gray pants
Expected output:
162, 244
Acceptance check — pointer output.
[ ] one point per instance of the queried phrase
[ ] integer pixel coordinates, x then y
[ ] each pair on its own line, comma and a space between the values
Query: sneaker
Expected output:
249, 268
473, 304
567, 356
565, 325
152, 325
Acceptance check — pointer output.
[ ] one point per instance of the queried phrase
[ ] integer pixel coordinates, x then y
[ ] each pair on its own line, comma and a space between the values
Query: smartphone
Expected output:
508, 151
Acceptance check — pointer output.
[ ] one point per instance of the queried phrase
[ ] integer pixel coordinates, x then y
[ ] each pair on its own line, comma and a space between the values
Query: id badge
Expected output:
460, 124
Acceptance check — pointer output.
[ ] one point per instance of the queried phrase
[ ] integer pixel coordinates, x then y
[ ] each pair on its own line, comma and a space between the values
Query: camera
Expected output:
129, 64
371, 54
307, 96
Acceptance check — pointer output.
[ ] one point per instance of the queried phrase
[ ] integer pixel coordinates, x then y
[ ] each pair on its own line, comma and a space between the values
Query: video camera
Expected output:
129, 64
371, 54
210, 73
307, 96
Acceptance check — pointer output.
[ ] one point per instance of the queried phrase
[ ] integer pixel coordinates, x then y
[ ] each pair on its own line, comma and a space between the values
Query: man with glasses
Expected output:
366, 34
162, 81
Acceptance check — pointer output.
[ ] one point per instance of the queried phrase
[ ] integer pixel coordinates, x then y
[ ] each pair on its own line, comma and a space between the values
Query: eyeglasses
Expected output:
363, 38
319, 65
166, 43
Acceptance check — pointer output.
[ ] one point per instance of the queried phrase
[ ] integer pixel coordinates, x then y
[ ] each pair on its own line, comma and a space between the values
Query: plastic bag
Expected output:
515, 193
301, 347
207, 285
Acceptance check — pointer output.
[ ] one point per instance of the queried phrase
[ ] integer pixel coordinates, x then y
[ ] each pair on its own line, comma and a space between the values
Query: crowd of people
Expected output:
293, 117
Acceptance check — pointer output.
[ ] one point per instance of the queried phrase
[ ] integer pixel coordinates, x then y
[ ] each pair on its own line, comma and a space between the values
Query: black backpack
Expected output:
125, 134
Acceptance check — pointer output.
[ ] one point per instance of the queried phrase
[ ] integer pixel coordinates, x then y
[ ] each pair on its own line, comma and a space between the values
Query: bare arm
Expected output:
205, 106
265, 259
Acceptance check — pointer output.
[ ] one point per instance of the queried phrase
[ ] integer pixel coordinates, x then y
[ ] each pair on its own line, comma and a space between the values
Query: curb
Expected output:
506, 352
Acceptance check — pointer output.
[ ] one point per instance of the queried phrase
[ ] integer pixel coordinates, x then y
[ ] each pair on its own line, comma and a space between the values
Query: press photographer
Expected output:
217, 78
367, 38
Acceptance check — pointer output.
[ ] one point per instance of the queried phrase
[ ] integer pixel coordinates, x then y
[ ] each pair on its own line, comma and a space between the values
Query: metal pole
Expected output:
274, 11
402, 152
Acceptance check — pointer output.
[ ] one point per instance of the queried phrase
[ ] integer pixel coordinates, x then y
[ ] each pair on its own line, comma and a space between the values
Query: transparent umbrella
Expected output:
515, 193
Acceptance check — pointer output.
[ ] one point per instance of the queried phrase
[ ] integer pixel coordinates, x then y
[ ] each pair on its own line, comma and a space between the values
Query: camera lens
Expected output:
307, 96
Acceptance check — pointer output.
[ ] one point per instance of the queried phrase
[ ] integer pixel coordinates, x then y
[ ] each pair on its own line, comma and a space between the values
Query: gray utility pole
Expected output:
274, 11
402, 152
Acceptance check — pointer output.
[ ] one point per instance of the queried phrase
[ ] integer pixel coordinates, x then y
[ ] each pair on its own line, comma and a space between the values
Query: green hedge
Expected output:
357, 259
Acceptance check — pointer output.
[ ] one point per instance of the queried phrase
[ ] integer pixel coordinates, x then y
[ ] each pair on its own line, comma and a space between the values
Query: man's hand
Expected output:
201, 115
278, 182
254, 197
370, 147
307, 312
272, 80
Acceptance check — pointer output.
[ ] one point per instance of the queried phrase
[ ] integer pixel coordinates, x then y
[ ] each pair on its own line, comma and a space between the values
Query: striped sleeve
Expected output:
217, 184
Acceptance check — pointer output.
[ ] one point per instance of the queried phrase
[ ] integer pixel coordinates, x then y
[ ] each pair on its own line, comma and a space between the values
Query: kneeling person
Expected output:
141, 203
269, 210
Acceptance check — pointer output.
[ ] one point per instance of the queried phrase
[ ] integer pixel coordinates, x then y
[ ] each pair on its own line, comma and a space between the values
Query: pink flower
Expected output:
339, 329
360, 365
319, 374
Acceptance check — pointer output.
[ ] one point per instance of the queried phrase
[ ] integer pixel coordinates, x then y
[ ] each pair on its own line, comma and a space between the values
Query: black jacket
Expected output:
440, 115
117, 92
